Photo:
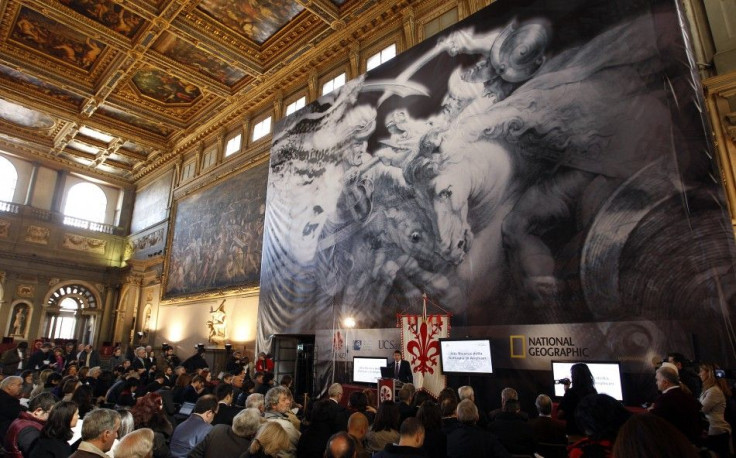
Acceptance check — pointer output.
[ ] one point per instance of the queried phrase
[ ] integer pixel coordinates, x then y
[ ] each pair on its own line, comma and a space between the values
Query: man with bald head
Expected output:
674, 405
340, 445
357, 428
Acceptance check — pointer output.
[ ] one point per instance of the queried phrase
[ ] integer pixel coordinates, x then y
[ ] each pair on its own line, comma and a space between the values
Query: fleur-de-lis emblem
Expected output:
424, 348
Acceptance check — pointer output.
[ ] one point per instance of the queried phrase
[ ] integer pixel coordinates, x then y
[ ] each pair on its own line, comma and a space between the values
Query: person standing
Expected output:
713, 401
15, 359
401, 368
582, 385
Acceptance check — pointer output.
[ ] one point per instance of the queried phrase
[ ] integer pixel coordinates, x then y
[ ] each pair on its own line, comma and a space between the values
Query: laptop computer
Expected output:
387, 372
186, 409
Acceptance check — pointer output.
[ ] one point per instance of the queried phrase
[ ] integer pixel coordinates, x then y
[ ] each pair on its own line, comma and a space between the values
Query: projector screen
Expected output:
367, 369
466, 356
607, 376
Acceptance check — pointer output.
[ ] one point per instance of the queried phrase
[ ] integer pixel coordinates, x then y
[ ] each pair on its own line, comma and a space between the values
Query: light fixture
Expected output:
349, 322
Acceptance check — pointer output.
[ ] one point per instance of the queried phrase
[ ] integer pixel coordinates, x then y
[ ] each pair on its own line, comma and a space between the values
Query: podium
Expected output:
388, 389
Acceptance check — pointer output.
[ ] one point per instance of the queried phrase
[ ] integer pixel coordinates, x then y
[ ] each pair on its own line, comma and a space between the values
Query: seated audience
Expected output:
225, 440
357, 428
385, 428
148, 413
194, 390
278, 401
468, 440
435, 440
55, 434
410, 441
271, 441
467, 392
507, 394
82, 396
358, 402
676, 406
448, 409
600, 417
406, 409
195, 428
513, 431
10, 408
99, 431
255, 401
225, 410
24, 431
649, 436
137, 444
340, 445
549, 434
314, 438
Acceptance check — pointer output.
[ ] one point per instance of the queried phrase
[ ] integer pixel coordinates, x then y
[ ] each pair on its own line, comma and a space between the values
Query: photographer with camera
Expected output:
582, 385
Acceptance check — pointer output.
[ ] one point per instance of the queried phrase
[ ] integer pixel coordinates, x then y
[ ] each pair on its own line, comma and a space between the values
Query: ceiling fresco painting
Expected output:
24, 117
56, 40
134, 120
255, 19
165, 88
159, 76
36, 84
107, 13
187, 54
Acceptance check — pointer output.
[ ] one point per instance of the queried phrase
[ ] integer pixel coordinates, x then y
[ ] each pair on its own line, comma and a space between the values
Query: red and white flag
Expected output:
420, 343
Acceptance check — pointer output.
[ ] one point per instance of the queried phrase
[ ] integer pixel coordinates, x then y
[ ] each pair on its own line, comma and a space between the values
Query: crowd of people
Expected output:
68, 401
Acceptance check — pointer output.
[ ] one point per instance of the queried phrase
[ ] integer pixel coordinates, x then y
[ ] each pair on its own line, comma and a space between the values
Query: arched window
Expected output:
68, 313
8, 180
86, 201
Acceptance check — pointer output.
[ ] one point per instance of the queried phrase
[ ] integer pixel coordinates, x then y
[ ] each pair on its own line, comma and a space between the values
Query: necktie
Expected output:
396, 370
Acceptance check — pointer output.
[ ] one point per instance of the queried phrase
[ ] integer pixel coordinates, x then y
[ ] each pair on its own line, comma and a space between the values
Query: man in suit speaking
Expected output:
401, 368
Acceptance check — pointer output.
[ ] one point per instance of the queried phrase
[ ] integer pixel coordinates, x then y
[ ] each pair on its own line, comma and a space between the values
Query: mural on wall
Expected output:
152, 203
187, 54
528, 165
163, 87
217, 236
255, 19
109, 14
20, 315
56, 40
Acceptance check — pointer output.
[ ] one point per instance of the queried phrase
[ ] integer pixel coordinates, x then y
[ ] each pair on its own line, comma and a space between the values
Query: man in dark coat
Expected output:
10, 408
401, 368
41, 359
674, 405
410, 441
512, 430
547, 430
15, 359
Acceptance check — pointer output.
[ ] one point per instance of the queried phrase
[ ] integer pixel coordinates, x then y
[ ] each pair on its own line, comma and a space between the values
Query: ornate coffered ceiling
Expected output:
110, 87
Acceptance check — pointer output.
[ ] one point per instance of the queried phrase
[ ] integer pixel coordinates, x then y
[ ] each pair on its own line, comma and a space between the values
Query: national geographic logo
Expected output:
521, 346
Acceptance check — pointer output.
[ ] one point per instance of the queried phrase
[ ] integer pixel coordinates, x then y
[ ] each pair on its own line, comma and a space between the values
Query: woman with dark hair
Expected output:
649, 436
148, 413
83, 398
358, 402
127, 396
582, 386
55, 434
181, 384
421, 397
600, 417
27, 387
435, 440
385, 429
713, 399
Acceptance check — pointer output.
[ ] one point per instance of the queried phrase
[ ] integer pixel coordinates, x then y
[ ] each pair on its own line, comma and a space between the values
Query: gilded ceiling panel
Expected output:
56, 40
255, 19
187, 54
164, 88
107, 13
34, 83
134, 120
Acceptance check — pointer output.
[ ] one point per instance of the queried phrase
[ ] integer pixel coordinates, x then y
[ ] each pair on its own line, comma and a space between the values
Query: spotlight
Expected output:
139, 334
349, 322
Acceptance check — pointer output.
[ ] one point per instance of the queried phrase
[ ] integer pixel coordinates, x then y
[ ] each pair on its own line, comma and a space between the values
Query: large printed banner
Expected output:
420, 342
541, 162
